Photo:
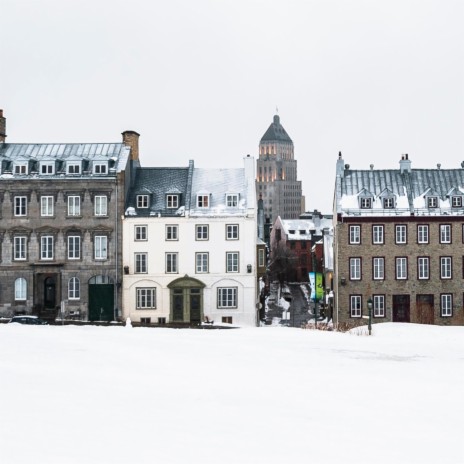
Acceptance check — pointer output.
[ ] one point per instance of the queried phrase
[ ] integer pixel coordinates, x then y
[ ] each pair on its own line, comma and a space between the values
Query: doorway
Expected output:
401, 308
186, 300
101, 298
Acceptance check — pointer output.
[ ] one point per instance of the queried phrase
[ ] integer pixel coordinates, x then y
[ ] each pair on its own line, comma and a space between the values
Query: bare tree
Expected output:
282, 265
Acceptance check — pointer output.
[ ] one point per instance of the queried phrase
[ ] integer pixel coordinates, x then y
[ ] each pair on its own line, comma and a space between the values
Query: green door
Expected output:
195, 305
178, 305
101, 302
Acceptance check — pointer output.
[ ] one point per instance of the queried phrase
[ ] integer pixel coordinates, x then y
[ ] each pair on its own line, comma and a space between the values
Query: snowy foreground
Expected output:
267, 395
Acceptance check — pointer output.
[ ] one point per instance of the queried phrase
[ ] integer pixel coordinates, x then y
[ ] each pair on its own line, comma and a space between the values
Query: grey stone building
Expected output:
398, 244
276, 175
60, 226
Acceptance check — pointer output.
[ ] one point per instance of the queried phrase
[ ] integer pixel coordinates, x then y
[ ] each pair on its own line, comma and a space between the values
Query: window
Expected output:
379, 305
231, 200
46, 247
20, 168
141, 263
232, 231
74, 247
20, 289
20, 248
101, 205
101, 247
203, 201
145, 298
456, 201
74, 205
172, 201
423, 268
172, 232
226, 319
46, 206
355, 268
423, 234
446, 305
74, 288
20, 206
445, 233
261, 258
445, 267
378, 268
171, 263
355, 306
145, 320
201, 232
140, 232
432, 202
400, 234
366, 203
142, 201
227, 297
73, 168
389, 203
232, 261
100, 168
401, 265
377, 235
201, 260
47, 169
355, 235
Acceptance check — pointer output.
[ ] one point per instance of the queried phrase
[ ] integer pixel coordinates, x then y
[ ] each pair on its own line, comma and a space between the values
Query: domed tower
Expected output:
276, 175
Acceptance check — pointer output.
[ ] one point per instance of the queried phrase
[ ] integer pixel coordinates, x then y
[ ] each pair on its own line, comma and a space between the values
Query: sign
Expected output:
316, 284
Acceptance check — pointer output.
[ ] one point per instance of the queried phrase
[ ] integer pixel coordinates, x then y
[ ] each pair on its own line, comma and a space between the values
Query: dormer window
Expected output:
203, 201
432, 202
172, 201
456, 201
232, 200
20, 168
73, 168
142, 201
389, 203
47, 169
100, 168
366, 202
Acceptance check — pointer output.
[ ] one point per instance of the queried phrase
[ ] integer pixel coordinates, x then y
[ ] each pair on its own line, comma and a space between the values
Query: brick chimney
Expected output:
2, 127
131, 138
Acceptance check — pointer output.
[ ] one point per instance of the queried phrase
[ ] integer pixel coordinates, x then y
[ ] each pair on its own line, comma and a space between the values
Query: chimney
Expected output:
2, 127
131, 139
340, 169
405, 164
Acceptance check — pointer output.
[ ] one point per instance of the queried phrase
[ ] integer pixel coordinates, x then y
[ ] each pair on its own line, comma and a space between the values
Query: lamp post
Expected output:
369, 309
313, 255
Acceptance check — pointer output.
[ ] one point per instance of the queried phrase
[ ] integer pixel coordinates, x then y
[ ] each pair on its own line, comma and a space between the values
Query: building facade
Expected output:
398, 244
191, 252
60, 234
276, 176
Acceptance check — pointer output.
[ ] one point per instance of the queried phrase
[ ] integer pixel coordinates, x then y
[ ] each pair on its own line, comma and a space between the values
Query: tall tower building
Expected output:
276, 176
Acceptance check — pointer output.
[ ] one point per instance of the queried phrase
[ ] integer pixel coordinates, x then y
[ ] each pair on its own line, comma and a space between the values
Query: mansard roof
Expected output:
276, 132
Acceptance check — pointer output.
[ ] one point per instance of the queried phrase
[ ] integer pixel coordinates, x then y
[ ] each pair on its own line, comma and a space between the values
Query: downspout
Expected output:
116, 287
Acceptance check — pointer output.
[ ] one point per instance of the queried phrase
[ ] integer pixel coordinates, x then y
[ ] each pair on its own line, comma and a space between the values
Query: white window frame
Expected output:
401, 234
47, 206
456, 201
366, 203
261, 258
140, 263
202, 232
401, 268
145, 298
201, 263
432, 202
232, 232
446, 267
74, 288
232, 261
232, 200
378, 305
74, 247
423, 267
101, 205
356, 306
74, 205
389, 203
203, 201
378, 234
100, 168
20, 206
140, 233
172, 201
47, 168
227, 297
46, 247
100, 247
172, 232
20, 168
143, 201
446, 305
445, 233
73, 168
355, 235
20, 248
20, 289
423, 233
172, 263
378, 268
355, 268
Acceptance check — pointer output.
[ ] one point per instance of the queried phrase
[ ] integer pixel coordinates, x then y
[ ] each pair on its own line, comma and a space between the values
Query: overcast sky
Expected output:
201, 79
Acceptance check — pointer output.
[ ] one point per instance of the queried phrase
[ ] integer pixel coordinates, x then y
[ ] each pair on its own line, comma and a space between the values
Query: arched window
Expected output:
20, 289
74, 288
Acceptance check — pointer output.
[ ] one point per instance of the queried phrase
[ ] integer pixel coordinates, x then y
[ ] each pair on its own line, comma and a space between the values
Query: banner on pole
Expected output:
315, 280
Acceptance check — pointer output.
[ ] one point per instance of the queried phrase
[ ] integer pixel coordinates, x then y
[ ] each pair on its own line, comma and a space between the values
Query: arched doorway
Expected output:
101, 298
186, 300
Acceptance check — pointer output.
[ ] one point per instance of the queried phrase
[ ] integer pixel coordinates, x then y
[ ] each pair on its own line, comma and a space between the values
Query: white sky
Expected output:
202, 79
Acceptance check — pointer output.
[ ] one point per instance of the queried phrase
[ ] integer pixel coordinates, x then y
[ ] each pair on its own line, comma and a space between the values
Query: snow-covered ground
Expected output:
266, 395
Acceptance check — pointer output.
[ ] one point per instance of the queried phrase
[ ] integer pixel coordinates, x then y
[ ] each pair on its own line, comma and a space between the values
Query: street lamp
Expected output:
313, 253
369, 309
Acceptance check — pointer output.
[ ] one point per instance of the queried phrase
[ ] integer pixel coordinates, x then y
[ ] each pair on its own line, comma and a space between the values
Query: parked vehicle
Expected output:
33, 320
